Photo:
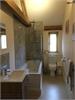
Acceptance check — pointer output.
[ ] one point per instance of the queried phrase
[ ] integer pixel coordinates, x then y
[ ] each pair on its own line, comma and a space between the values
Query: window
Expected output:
53, 42
3, 42
3, 36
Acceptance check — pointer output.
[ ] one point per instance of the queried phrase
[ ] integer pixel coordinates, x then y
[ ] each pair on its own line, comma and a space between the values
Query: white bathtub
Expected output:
34, 78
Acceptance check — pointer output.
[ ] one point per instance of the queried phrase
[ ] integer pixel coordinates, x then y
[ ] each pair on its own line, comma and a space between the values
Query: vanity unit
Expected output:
21, 84
13, 86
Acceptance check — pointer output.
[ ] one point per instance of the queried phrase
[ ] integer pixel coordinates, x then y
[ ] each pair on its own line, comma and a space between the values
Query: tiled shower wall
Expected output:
27, 43
4, 60
19, 43
33, 43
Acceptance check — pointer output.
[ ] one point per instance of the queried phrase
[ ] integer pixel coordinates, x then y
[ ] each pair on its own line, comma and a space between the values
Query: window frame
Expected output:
3, 32
56, 41
3, 47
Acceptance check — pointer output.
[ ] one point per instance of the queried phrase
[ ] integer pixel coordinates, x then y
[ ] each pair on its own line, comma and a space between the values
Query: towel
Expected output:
71, 75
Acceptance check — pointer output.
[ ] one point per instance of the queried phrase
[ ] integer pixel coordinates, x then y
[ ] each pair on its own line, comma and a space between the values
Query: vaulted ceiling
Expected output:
51, 12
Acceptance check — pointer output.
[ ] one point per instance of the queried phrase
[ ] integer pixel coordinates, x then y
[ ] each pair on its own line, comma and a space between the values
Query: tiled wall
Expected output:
4, 60
33, 44
19, 43
27, 42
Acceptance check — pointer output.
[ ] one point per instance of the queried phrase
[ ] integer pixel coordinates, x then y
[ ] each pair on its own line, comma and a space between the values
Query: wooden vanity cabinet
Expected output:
13, 90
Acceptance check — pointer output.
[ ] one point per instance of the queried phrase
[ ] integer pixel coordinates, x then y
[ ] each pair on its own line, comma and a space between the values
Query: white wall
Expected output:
74, 32
74, 41
67, 37
68, 45
7, 19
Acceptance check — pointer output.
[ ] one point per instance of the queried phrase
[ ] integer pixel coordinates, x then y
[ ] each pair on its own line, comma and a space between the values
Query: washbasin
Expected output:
15, 75
6, 77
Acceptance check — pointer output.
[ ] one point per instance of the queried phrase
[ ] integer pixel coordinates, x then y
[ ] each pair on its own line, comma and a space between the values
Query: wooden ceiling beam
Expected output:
57, 27
71, 2
23, 7
16, 11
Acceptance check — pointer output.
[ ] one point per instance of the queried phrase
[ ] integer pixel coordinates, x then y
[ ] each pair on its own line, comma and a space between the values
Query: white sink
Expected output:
6, 77
15, 76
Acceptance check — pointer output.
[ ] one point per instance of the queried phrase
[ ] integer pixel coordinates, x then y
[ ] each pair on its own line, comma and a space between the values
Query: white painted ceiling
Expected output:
51, 12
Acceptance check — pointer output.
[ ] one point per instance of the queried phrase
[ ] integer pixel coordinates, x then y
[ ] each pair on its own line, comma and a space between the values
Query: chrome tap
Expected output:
3, 70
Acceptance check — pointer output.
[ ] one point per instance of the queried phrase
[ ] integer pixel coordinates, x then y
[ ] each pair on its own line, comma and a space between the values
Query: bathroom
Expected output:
27, 43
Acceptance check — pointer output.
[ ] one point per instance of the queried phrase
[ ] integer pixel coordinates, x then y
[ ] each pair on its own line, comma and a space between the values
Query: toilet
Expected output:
52, 68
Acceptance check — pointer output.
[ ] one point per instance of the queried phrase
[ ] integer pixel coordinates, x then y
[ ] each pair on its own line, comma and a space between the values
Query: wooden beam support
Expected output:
69, 2
58, 27
16, 11
23, 7
74, 1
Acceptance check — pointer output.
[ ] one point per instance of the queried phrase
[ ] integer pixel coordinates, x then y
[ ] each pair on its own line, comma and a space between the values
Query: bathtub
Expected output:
33, 79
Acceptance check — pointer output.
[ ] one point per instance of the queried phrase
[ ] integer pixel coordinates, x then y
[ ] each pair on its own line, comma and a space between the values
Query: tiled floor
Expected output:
54, 88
